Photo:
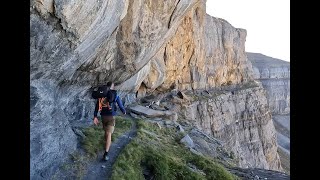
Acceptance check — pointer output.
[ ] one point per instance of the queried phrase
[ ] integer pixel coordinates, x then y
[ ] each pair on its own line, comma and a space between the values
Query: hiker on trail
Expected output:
107, 108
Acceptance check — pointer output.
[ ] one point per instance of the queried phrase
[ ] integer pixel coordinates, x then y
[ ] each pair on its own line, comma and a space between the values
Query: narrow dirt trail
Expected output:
95, 169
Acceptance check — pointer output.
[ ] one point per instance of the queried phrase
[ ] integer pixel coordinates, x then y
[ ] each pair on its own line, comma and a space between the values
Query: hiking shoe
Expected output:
105, 156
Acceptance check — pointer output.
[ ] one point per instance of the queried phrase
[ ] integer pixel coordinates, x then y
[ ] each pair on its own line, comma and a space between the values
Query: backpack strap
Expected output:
107, 104
102, 104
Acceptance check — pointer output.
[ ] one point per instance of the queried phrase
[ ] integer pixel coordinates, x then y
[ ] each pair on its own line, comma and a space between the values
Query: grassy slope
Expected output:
164, 156
92, 144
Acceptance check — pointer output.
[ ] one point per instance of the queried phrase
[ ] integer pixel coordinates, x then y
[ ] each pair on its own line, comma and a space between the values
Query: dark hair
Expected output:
109, 84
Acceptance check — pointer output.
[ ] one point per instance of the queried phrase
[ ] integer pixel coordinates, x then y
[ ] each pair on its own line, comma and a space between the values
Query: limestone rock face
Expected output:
274, 75
242, 120
205, 52
226, 60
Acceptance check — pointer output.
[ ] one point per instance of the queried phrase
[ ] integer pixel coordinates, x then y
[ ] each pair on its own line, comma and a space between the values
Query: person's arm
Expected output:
120, 105
96, 109
95, 118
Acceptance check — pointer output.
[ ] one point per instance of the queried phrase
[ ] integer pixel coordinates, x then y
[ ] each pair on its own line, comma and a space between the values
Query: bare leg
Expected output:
108, 140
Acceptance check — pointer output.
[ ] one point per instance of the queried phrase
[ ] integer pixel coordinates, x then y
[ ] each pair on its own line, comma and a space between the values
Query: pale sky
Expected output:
267, 23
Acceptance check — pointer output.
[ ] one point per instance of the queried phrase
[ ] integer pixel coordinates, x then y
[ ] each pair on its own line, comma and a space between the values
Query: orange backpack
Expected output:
103, 102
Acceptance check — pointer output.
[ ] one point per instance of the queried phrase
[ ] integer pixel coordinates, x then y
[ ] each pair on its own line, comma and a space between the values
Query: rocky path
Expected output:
99, 169
256, 174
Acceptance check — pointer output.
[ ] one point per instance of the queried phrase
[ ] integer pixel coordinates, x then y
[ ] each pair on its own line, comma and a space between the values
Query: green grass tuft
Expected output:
95, 141
122, 125
92, 144
164, 157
